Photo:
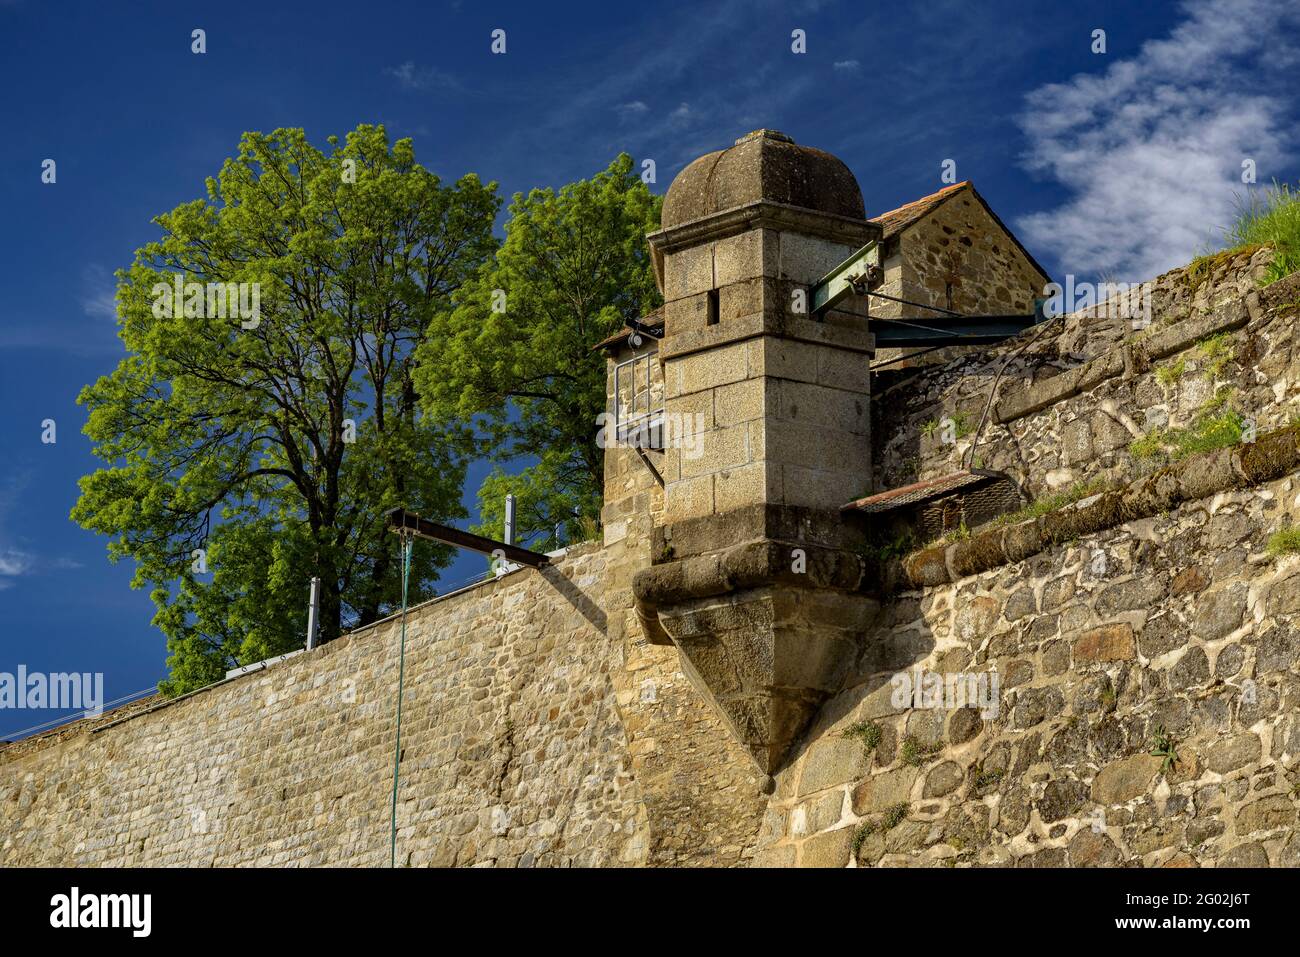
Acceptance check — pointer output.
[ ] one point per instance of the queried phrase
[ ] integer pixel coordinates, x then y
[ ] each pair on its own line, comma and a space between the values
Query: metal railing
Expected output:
639, 420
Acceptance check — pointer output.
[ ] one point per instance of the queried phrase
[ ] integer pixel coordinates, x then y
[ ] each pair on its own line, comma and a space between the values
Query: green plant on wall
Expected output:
894, 815
949, 428
1162, 746
913, 753
986, 778
1169, 373
889, 819
1052, 503
961, 424
864, 831
1215, 427
884, 549
1270, 217
1285, 541
868, 732
1150, 446
1218, 351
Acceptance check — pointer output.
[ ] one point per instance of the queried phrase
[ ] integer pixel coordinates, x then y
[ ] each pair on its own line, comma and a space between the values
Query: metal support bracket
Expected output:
403, 522
857, 275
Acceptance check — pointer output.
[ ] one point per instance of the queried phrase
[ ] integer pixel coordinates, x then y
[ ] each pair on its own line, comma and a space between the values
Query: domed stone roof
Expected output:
763, 165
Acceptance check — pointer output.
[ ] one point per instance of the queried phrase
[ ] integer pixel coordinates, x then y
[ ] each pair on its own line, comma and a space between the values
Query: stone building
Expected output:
739, 672
950, 250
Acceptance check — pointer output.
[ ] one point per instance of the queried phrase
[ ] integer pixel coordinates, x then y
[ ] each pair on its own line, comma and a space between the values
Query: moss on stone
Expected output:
913, 753
1169, 373
979, 554
868, 732
1202, 473
1285, 541
1271, 455
1218, 351
927, 567
1201, 268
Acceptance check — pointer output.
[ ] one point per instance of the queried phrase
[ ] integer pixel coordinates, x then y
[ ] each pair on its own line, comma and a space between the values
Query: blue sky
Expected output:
1123, 163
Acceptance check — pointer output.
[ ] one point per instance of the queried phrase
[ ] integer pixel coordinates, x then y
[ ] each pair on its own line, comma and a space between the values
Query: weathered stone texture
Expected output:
1071, 403
1103, 748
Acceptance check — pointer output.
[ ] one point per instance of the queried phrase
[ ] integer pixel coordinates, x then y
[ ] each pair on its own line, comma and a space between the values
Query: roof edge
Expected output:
948, 193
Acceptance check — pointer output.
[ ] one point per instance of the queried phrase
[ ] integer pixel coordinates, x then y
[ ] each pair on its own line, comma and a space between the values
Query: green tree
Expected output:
275, 444
515, 354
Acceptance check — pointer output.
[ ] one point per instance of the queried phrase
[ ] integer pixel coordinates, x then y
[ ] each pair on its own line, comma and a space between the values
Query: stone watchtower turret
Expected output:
767, 413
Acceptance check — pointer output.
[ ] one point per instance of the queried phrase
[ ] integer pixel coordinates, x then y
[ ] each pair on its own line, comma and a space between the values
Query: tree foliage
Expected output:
515, 354
237, 441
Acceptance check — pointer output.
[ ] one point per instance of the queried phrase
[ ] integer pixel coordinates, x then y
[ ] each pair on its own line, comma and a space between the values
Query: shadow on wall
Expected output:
575, 597
901, 640
923, 427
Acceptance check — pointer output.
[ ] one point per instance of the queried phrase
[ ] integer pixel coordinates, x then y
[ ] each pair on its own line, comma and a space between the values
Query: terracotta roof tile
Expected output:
896, 220
918, 492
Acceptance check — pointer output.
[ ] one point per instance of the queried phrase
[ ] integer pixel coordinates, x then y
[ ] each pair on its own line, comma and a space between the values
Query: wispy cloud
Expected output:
99, 295
763, 81
64, 330
1152, 147
15, 561
409, 76
846, 66
682, 116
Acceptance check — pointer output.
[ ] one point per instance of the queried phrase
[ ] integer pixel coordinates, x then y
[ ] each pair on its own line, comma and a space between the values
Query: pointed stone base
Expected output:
768, 647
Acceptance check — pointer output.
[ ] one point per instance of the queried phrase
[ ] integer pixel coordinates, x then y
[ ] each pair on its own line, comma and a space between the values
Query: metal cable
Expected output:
69, 718
917, 325
919, 305
969, 459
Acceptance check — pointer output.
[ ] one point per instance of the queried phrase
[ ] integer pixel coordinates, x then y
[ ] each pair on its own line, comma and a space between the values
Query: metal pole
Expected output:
408, 546
313, 613
509, 537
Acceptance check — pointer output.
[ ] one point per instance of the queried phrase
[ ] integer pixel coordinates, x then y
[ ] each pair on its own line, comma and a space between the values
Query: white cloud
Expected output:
846, 66
1152, 147
13, 562
412, 77
630, 110
682, 115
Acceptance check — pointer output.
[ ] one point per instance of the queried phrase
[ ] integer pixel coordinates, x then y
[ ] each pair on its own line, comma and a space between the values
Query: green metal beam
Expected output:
966, 331
840, 282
